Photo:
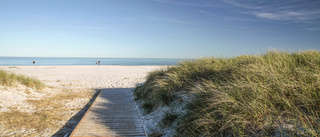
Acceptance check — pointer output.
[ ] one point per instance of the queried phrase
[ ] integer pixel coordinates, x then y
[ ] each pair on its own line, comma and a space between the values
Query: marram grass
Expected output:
11, 79
277, 93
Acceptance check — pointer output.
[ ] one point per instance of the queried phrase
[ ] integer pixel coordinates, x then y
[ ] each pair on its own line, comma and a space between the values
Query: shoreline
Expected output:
88, 61
85, 65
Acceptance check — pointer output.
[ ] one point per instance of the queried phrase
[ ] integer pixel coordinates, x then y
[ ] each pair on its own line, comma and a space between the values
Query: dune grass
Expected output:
48, 113
262, 95
11, 79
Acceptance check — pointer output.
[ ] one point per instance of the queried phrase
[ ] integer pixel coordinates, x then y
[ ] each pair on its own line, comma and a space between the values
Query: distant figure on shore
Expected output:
34, 62
96, 63
99, 62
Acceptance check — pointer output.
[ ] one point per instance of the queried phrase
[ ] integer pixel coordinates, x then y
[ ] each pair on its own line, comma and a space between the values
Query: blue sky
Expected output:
156, 28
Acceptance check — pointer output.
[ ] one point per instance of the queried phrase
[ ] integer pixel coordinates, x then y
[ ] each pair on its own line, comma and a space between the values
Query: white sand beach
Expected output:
86, 76
84, 80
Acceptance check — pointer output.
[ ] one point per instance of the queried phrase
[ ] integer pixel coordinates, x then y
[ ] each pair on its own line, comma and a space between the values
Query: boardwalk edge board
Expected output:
85, 114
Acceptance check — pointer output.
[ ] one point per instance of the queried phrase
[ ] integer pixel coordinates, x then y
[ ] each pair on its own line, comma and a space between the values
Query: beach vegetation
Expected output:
11, 79
48, 112
276, 93
169, 117
27, 92
147, 106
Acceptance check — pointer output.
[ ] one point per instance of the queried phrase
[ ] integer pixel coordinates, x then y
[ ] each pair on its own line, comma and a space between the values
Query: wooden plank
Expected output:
109, 134
85, 114
113, 113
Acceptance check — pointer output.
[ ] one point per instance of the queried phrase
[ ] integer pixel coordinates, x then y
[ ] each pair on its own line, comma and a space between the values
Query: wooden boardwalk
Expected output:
112, 114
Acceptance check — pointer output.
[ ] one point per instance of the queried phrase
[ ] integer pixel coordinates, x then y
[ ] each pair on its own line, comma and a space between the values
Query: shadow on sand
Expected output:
112, 110
74, 120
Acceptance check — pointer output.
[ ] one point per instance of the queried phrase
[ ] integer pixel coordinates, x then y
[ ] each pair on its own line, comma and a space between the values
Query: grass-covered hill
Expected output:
274, 94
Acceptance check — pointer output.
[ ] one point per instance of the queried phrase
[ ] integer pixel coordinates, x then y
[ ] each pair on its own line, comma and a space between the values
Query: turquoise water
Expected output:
49, 61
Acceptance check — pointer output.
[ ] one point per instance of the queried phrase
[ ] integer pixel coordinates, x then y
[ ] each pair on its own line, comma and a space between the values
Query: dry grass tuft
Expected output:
39, 120
10, 79
49, 111
47, 114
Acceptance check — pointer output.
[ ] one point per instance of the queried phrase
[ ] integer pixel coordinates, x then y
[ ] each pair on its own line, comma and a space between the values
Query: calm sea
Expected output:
49, 61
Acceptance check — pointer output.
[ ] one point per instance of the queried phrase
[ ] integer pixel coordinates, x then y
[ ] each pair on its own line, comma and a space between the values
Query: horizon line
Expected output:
94, 57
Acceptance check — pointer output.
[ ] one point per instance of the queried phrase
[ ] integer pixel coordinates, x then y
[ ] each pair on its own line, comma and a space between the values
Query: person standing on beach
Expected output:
34, 62
99, 62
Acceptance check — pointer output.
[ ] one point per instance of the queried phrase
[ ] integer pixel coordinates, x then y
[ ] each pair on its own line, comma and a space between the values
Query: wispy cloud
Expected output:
241, 5
241, 19
87, 27
312, 29
170, 20
63, 22
204, 12
297, 16
152, 19
194, 3
280, 10
57, 19
177, 3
